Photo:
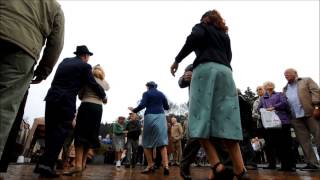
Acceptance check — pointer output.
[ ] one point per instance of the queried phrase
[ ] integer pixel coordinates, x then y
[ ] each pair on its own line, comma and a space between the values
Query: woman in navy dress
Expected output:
155, 125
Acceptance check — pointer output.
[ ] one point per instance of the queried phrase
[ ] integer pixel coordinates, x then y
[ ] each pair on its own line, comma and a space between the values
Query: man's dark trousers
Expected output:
58, 123
189, 153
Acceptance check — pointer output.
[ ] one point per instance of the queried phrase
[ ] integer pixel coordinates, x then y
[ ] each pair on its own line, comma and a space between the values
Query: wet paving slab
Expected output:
101, 172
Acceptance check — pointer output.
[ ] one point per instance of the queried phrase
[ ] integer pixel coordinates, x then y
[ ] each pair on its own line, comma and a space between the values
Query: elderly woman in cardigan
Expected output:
278, 140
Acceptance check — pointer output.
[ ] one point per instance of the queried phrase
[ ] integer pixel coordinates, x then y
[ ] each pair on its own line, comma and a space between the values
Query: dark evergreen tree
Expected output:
250, 96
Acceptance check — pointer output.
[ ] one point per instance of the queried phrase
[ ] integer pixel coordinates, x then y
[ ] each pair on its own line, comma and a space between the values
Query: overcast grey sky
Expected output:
137, 41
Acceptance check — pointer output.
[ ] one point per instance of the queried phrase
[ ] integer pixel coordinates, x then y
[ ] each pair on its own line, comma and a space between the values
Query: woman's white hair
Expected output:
268, 84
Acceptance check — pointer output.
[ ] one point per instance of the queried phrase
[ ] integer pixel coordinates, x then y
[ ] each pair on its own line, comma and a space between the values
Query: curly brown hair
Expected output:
213, 17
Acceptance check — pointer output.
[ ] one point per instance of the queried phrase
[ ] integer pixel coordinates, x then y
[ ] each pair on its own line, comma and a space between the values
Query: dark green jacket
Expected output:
31, 24
119, 128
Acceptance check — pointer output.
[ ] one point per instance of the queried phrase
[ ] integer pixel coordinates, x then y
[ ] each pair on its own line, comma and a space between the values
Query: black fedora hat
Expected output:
82, 50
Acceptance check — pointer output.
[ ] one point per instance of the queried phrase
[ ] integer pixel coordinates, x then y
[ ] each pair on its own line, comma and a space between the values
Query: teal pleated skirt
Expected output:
214, 106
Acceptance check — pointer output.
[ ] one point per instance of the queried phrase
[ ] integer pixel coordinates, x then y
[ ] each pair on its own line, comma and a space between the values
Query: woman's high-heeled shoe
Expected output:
148, 170
224, 174
166, 171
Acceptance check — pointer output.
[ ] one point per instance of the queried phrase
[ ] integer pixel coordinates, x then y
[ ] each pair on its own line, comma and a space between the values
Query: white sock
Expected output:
118, 163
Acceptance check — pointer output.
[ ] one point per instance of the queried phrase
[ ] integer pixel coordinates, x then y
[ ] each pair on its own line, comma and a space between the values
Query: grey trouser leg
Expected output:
16, 72
303, 128
129, 152
132, 146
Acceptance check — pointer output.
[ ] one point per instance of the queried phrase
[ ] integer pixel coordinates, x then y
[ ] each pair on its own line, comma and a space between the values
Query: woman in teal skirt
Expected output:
214, 108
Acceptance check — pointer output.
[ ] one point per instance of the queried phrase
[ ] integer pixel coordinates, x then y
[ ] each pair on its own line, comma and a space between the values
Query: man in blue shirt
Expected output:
304, 98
